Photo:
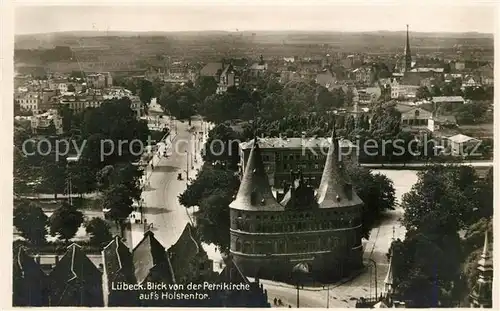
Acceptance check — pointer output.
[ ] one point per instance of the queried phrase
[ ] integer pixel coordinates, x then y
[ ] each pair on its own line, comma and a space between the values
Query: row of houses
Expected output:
75, 281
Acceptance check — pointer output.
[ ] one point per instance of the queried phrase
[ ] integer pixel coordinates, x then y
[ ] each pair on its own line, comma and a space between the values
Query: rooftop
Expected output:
295, 143
443, 99
460, 138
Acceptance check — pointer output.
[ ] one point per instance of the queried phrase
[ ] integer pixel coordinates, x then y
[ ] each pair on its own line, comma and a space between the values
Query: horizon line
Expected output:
255, 31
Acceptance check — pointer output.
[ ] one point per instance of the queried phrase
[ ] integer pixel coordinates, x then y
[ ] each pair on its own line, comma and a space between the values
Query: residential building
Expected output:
81, 102
471, 81
402, 91
29, 281
461, 145
280, 155
412, 116
29, 101
74, 280
99, 80
273, 237
486, 74
228, 77
457, 65
40, 123
364, 75
258, 69
455, 101
368, 95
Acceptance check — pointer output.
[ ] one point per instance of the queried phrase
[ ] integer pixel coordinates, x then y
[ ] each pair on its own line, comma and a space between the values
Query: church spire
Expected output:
481, 295
407, 64
388, 281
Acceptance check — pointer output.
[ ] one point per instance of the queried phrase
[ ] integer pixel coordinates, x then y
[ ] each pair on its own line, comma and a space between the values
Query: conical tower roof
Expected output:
334, 190
485, 263
482, 291
255, 192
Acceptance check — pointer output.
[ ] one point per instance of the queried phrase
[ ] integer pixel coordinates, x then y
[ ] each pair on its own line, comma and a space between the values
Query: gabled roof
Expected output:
29, 281
26, 267
148, 254
444, 99
184, 251
460, 138
255, 192
117, 261
232, 274
75, 273
300, 195
210, 69
333, 190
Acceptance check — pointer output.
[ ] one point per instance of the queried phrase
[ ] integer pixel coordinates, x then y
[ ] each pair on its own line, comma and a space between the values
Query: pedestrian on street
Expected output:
275, 300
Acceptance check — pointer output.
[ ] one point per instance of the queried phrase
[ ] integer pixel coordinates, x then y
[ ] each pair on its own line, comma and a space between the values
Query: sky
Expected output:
274, 15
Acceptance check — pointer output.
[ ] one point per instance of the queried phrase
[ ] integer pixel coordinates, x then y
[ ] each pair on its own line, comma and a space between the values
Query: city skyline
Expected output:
258, 17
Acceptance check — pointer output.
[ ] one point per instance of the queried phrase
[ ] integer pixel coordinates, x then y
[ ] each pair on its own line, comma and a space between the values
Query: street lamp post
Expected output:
375, 266
187, 165
327, 296
70, 160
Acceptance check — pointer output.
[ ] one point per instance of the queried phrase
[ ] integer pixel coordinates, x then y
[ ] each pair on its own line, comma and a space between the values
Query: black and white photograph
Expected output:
252, 154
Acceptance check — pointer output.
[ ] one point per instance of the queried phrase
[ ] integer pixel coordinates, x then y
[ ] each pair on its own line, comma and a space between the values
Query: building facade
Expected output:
318, 228
280, 155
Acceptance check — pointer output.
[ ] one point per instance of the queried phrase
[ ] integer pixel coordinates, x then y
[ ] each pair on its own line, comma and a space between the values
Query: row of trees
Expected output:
34, 225
434, 266
105, 162
454, 88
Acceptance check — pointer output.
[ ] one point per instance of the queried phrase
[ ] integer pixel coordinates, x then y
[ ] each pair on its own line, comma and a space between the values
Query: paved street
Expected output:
162, 210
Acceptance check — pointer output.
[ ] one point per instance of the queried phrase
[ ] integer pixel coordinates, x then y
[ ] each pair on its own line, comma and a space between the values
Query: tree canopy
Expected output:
31, 221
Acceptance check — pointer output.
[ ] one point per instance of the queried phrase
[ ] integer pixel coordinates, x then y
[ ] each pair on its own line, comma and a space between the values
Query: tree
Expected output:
146, 91
423, 93
31, 221
99, 231
222, 145
118, 201
212, 191
212, 219
65, 221
426, 269
377, 193
206, 86
436, 203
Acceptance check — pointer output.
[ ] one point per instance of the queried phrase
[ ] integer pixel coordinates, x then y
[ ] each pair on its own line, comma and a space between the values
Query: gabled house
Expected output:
29, 286
75, 281
118, 267
151, 263
258, 69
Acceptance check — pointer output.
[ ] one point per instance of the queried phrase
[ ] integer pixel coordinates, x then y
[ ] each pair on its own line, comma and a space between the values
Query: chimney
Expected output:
348, 190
